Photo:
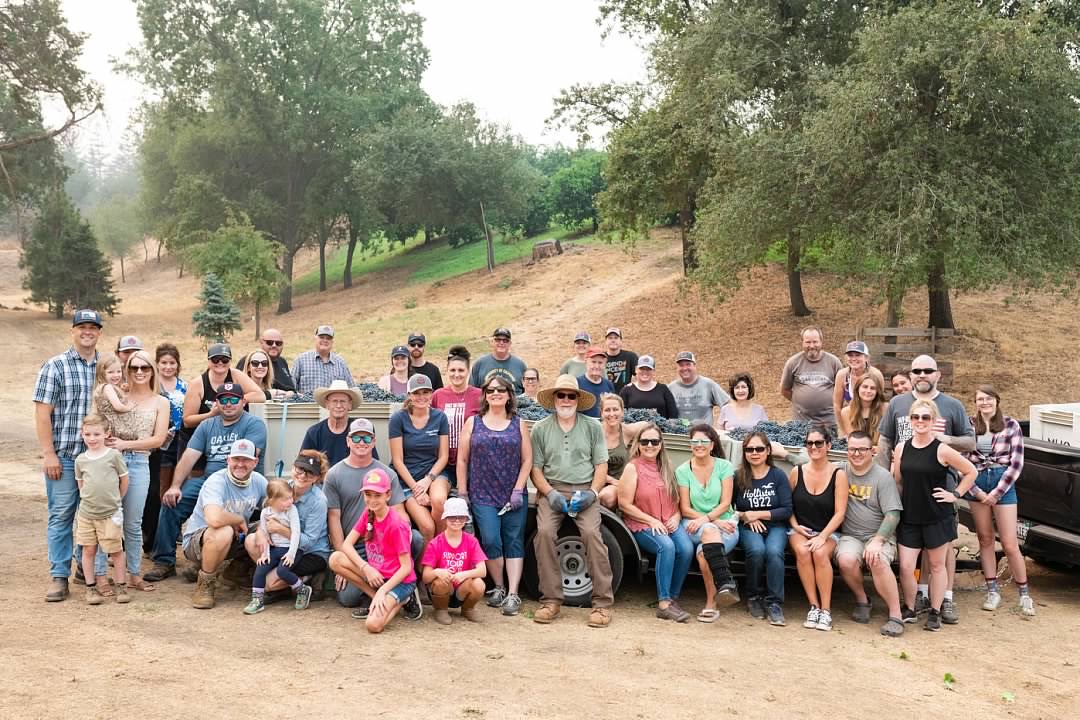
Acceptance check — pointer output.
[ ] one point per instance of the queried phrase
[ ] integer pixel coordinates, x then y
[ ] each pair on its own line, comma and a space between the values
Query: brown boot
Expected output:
468, 609
440, 601
58, 589
547, 613
203, 597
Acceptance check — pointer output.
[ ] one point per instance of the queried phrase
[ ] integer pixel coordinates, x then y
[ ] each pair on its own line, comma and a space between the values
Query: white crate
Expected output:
1057, 423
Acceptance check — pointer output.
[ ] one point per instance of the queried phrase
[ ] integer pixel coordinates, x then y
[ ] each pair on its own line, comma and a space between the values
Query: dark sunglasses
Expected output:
923, 371
416, 344
229, 400
139, 368
565, 396
275, 343
219, 360
495, 389
755, 449
366, 439
259, 363
815, 443
924, 417
650, 441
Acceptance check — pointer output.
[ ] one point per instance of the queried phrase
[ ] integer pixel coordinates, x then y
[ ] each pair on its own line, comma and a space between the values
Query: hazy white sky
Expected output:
509, 57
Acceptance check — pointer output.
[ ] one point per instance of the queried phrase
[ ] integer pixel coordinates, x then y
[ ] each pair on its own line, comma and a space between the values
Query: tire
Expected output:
577, 584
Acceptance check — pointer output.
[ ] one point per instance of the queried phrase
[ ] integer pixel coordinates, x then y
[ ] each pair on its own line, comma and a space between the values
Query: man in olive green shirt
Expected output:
569, 469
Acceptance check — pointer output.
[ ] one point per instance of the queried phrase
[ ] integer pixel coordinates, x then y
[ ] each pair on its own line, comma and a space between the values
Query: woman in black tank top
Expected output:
819, 494
921, 466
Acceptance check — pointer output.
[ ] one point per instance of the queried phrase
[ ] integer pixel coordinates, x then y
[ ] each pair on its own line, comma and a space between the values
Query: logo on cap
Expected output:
362, 425
418, 382
325, 330
243, 448
86, 316
583, 336
613, 331
647, 361
230, 389
687, 356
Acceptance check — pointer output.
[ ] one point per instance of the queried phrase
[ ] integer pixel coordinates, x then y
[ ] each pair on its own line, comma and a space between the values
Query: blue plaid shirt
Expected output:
311, 372
66, 382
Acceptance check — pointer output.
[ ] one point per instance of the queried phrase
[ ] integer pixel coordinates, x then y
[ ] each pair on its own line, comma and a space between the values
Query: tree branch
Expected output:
47, 134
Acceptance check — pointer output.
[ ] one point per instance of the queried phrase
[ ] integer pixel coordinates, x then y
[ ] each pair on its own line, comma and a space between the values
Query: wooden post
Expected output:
487, 238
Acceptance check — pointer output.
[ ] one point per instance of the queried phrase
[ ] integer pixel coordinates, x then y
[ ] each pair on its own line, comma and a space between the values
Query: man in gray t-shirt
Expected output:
695, 396
868, 535
499, 362
345, 499
808, 379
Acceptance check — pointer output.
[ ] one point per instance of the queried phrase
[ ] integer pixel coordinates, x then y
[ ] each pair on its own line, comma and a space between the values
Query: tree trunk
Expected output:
894, 312
258, 320
488, 240
938, 290
180, 269
324, 235
429, 235
595, 225
285, 296
794, 276
687, 218
354, 235
145, 251
58, 311
123, 276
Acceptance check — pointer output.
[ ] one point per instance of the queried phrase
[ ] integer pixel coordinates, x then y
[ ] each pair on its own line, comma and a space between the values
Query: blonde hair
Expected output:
267, 383
605, 397
106, 361
662, 462
276, 489
95, 420
145, 357
928, 404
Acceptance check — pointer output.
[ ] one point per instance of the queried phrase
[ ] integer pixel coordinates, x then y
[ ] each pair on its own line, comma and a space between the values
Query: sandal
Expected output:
893, 628
135, 582
708, 615
105, 586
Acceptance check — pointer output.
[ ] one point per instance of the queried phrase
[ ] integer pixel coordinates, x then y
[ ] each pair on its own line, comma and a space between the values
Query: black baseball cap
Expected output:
310, 464
418, 338
219, 350
501, 332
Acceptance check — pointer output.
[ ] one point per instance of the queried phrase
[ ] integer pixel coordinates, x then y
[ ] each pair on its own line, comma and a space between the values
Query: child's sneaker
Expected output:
303, 597
93, 596
363, 609
257, 605
1027, 606
122, 596
413, 610
992, 601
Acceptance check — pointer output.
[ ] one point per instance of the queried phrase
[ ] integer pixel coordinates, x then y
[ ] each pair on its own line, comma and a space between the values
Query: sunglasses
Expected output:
565, 396
755, 449
139, 368
358, 438
815, 443
858, 451
416, 344
530, 379
924, 417
650, 441
219, 360
303, 471
229, 400
700, 441
456, 519
495, 390
923, 371
259, 363
275, 343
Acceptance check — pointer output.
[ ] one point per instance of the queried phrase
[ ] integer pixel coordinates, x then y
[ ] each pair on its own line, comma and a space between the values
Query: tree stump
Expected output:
545, 249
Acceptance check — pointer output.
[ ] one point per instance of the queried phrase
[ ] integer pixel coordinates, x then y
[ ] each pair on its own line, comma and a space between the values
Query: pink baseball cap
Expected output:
377, 481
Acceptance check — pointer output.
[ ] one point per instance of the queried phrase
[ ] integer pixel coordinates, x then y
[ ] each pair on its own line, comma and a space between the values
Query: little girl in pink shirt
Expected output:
454, 565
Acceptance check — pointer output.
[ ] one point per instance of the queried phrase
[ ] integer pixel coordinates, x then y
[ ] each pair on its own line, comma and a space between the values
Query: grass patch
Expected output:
429, 263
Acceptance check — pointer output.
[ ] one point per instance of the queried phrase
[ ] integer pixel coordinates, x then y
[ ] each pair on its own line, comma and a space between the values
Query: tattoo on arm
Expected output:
888, 524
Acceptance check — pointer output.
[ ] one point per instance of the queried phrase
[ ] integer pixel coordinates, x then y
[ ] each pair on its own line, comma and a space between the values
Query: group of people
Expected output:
136, 459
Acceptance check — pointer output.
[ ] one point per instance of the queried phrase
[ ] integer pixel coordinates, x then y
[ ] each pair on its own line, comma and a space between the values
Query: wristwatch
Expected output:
956, 492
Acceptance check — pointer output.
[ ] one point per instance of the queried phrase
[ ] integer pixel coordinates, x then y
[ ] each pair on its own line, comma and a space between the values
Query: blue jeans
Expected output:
172, 518
277, 554
729, 540
63, 501
351, 595
501, 535
673, 555
138, 485
765, 560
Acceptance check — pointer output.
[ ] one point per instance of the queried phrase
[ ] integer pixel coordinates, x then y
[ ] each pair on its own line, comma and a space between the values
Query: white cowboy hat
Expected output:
546, 397
338, 386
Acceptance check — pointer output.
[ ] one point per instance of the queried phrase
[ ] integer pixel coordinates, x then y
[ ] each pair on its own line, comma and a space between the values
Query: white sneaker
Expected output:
824, 620
1027, 605
812, 618
993, 600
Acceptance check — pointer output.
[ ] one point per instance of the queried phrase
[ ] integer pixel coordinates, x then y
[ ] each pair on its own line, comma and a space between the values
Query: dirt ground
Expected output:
159, 657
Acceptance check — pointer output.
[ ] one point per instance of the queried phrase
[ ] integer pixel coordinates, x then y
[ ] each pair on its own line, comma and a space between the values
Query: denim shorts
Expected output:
987, 480
402, 591
501, 535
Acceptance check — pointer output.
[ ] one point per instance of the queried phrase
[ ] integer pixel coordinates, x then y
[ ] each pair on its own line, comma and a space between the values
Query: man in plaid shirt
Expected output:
318, 368
62, 398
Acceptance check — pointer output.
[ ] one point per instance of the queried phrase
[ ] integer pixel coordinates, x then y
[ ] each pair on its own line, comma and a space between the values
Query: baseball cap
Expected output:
399, 350
219, 350
377, 480
230, 389
583, 336
129, 342
647, 361
361, 425
501, 332
86, 316
614, 330
306, 462
857, 346
325, 330
594, 351
455, 507
686, 355
418, 382
417, 337
243, 448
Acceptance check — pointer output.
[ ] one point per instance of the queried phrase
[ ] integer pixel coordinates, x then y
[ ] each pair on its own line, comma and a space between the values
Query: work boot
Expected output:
600, 617
440, 601
727, 590
93, 595
159, 572
547, 613
58, 590
122, 596
203, 597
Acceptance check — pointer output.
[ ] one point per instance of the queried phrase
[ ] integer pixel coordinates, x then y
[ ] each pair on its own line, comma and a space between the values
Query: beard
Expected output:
566, 412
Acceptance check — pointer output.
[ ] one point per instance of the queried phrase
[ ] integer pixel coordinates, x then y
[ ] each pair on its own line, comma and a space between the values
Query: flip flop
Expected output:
708, 615
140, 584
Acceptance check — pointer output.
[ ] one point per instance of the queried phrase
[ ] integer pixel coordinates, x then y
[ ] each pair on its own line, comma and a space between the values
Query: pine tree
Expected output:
217, 317
65, 268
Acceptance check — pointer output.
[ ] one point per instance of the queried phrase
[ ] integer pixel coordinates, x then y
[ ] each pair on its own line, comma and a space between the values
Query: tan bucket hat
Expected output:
546, 397
338, 386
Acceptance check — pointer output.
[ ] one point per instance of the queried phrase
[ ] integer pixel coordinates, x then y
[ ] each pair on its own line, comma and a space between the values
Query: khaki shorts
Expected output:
193, 547
850, 545
100, 531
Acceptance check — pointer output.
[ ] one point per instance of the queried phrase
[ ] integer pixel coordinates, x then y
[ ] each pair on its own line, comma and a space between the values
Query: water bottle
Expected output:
575, 500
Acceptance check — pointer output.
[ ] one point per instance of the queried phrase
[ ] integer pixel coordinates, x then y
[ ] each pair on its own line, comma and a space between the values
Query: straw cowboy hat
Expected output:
546, 397
338, 386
